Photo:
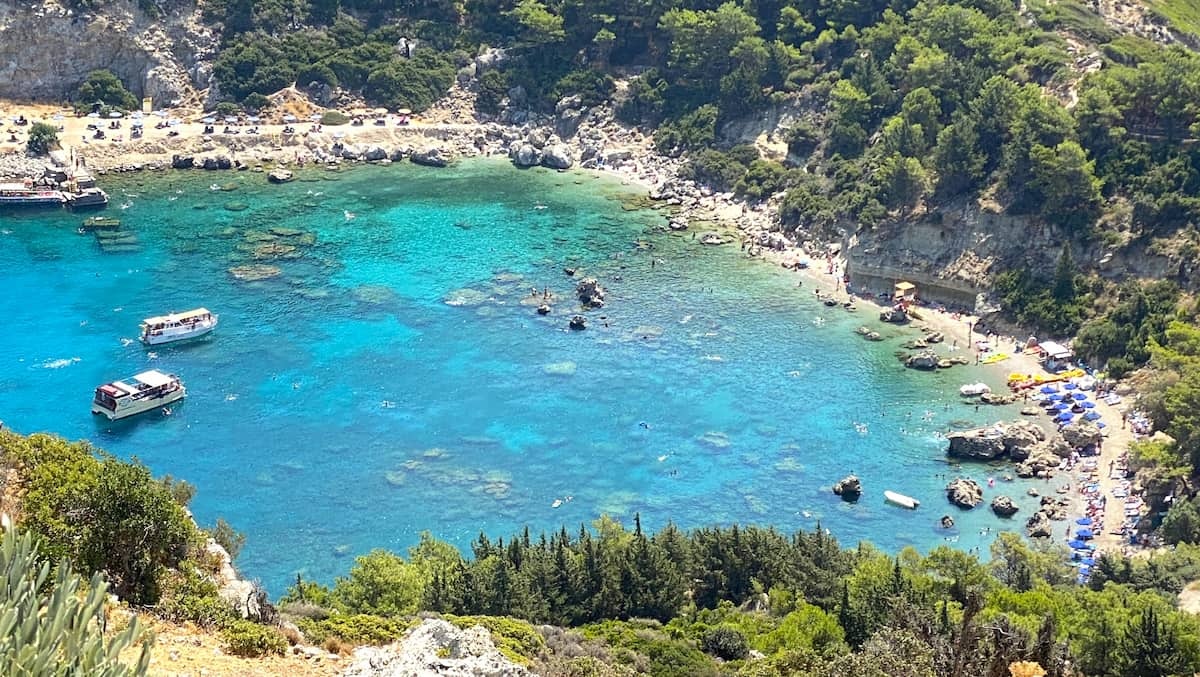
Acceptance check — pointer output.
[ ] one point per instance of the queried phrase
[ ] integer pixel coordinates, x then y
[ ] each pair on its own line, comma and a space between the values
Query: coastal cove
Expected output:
394, 376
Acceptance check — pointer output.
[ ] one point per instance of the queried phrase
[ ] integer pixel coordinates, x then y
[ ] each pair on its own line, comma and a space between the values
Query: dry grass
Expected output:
185, 649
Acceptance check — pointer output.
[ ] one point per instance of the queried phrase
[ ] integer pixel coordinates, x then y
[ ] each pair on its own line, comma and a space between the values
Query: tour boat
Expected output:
901, 500
177, 326
148, 390
26, 195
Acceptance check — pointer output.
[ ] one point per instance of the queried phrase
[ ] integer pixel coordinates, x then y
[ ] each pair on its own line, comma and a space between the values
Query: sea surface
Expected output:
394, 376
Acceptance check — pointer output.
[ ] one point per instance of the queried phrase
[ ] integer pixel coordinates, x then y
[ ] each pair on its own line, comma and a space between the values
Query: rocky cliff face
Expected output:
435, 648
47, 49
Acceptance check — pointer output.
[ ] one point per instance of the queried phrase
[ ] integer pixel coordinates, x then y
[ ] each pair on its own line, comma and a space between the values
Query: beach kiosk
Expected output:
904, 292
1055, 356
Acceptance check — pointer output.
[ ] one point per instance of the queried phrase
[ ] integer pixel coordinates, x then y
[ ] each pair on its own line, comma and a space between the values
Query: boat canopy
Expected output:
177, 317
153, 379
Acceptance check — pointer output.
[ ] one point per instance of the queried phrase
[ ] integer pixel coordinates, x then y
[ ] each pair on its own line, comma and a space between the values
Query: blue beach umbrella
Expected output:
1055, 397
1076, 544
1101, 424
1064, 417
1085, 534
1049, 389
1070, 386
1092, 416
1087, 561
1089, 405
1085, 521
1062, 406
1079, 397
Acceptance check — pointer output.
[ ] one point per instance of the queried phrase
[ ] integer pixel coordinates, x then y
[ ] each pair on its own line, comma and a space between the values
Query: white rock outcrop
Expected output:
435, 648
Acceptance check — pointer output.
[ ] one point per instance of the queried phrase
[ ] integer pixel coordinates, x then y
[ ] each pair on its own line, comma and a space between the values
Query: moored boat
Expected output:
143, 392
901, 500
177, 326
26, 195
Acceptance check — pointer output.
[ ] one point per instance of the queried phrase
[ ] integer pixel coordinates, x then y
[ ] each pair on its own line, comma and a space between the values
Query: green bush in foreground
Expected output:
50, 629
354, 629
249, 639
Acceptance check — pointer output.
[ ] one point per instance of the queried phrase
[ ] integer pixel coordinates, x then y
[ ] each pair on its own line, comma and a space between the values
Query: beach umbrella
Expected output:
231, 118
1085, 534
1055, 397
1076, 544
1089, 405
253, 118
315, 116
1064, 417
137, 115
289, 118
381, 111
339, 135
161, 113
1100, 424
93, 115
1084, 521
403, 111
1079, 397
174, 122
1049, 389
57, 116
1070, 386
209, 120
1062, 406
137, 123
116, 114
1087, 561
1092, 416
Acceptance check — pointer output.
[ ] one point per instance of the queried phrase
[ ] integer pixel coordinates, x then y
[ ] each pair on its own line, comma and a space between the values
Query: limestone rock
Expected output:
525, 155
849, 488
375, 154
590, 293
557, 156
1003, 506
894, 316
1038, 526
947, 522
1015, 438
712, 238
182, 162
543, 309
925, 360
430, 157
1082, 434
435, 648
964, 493
280, 176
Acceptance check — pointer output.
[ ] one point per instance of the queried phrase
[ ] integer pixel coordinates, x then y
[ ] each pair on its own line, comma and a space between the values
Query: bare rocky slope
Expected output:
47, 49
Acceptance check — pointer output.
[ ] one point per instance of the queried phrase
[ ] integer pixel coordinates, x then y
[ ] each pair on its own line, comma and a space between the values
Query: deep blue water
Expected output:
344, 405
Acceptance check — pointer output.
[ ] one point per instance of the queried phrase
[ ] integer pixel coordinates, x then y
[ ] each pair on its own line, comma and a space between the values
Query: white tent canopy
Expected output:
1056, 351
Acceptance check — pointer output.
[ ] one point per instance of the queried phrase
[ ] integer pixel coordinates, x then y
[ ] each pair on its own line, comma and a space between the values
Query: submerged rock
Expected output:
894, 316
849, 488
926, 360
280, 176
255, 271
560, 368
712, 238
429, 157
964, 493
578, 323
947, 522
543, 309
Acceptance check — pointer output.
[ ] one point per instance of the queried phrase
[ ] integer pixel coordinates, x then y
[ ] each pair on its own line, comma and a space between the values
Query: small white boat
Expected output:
177, 326
974, 389
901, 500
148, 390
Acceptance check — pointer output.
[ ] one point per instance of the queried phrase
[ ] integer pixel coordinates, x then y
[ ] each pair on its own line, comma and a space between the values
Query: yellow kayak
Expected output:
992, 359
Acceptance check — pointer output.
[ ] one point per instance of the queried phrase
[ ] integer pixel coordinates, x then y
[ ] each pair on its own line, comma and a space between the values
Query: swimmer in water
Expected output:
166, 411
644, 425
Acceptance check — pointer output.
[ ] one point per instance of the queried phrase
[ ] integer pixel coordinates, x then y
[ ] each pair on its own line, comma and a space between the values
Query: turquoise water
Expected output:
344, 405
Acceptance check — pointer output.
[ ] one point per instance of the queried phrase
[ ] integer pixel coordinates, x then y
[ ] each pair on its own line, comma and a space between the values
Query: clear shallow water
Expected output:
344, 405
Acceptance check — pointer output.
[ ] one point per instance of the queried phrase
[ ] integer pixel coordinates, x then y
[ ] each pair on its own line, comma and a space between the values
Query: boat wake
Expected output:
59, 364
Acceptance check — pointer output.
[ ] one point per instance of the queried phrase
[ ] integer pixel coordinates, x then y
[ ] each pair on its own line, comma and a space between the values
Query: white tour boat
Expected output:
901, 500
148, 390
177, 326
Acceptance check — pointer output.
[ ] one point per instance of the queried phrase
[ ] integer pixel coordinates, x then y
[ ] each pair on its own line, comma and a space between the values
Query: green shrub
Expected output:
334, 118
103, 86
692, 131
188, 595
726, 643
414, 83
493, 87
42, 138
516, 639
356, 629
228, 538
592, 87
245, 638
718, 170
228, 108
255, 102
